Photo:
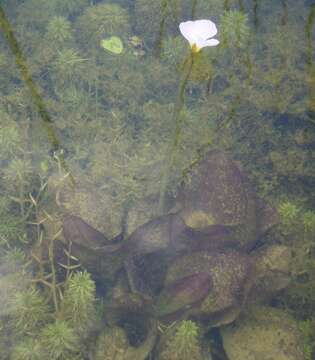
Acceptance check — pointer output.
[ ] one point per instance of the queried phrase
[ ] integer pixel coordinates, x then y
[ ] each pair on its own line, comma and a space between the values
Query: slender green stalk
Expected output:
226, 5
309, 60
193, 9
53, 275
161, 33
177, 119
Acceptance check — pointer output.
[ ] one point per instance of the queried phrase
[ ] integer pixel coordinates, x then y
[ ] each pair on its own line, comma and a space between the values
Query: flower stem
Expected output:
171, 154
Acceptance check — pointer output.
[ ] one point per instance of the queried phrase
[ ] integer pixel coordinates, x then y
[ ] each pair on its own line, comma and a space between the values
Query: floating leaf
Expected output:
113, 44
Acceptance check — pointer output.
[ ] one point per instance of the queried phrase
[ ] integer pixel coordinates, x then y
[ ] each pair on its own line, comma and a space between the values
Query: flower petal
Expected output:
205, 29
187, 30
201, 43
212, 42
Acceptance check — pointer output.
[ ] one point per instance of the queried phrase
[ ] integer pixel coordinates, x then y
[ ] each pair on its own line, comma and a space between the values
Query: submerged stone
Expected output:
161, 235
113, 343
273, 272
263, 333
80, 233
219, 205
183, 293
237, 279
231, 273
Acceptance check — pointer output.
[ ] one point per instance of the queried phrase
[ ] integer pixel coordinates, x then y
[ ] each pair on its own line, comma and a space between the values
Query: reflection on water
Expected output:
188, 180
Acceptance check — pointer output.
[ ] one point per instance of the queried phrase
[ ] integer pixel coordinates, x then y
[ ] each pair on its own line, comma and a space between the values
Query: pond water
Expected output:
157, 202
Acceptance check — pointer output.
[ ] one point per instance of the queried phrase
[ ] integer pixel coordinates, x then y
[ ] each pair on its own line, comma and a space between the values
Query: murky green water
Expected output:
128, 228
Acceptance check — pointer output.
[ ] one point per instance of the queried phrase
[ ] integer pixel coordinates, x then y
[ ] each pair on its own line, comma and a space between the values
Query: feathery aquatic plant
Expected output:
59, 341
184, 345
18, 173
9, 137
174, 50
289, 213
27, 349
29, 311
68, 64
100, 21
59, 30
12, 230
78, 304
234, 28
308, 219
70, 7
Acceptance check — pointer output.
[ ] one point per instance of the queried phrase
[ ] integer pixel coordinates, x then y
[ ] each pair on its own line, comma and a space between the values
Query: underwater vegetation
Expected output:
184, 343
38, 330
95, 142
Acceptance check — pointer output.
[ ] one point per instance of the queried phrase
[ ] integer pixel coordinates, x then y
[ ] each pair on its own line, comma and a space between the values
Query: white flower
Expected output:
199, 33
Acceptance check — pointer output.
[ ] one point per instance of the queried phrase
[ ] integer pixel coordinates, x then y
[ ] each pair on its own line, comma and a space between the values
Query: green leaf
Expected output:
113, 44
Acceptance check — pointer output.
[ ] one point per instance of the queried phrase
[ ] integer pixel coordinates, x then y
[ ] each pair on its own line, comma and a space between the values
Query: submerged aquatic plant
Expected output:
102, 20
289, 213
307, 329
158, 16
30, 311
12, 229
184, 345
78, 304
59, 30
15, 259
18, 173
199, 33
70, 7
235, 30
173, 50
68, 64
10, 139
28, 349
309, 221
59, 341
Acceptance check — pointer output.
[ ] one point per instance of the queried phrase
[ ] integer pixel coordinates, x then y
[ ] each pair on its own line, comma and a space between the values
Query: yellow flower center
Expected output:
195, 48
